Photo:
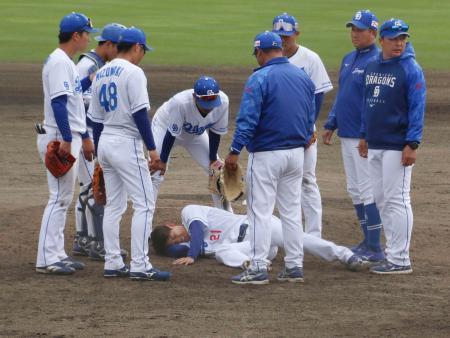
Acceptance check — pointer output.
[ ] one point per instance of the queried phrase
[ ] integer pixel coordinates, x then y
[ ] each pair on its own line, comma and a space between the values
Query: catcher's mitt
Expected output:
56, 164
98, 186
233, 183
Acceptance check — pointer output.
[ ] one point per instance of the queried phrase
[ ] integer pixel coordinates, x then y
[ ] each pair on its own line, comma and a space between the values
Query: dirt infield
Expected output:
200, 300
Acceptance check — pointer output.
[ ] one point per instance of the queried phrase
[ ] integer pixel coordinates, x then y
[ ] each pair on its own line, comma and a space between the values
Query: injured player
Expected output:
212, 232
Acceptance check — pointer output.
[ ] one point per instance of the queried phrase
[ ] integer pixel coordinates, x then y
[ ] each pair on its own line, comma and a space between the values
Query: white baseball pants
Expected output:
126, 173
274, 178
51, 236
391, 186
197, 146
357, 172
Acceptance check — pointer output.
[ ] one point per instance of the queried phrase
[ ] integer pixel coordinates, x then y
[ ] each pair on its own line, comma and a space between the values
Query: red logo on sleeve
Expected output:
248, 90
418, 85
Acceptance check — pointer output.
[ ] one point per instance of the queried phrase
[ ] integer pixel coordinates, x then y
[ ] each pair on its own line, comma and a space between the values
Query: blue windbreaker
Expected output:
345, 115
394, 102
277, 109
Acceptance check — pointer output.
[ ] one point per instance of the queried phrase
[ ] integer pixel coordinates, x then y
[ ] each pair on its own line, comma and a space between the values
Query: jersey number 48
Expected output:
108, 96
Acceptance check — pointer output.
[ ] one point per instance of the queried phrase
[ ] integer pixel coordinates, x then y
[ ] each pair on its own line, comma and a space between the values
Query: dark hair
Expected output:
123, 47
160, 236
101, 43
64, 37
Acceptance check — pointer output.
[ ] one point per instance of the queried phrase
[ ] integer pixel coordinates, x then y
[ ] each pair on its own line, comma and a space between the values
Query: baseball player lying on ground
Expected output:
212, 232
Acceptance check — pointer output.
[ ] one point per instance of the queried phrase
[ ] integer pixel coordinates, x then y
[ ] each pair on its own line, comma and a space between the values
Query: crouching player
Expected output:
212, 232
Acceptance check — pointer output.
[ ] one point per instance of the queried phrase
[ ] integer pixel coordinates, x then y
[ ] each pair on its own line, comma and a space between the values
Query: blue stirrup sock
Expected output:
374, 226
361, 214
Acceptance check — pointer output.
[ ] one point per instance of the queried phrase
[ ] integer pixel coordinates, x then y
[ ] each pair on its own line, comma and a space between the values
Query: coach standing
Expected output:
346, 117
391, 130
275, 123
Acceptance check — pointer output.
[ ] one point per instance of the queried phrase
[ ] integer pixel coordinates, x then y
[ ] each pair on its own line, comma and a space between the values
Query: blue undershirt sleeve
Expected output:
167, 145
214, 141
97, 129
59, 106
196, 243
143, 124
319, 100
85, 83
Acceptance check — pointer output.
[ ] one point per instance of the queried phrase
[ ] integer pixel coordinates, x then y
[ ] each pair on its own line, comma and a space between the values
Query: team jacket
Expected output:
345, 115
394, 102
277, 109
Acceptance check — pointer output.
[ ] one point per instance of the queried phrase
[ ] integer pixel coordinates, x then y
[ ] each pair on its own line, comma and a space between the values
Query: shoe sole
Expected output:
398, 272
49, 272
115, 276
147, 279
291, 280
255, 282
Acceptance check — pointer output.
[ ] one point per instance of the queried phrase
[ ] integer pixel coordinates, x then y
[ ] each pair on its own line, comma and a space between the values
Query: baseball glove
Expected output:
98, 186
215, 182
56, 164
233, 183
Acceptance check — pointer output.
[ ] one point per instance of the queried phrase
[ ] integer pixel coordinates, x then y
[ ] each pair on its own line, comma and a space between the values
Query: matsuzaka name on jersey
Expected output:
381, 79
109, 71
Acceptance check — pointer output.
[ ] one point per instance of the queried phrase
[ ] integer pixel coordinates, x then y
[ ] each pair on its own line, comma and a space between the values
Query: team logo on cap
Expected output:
257, 43
374, 24
210, 92
358, 15
397, 23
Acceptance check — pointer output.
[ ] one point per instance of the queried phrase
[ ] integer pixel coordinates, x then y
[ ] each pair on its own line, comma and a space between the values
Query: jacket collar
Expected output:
367, 49
281, 59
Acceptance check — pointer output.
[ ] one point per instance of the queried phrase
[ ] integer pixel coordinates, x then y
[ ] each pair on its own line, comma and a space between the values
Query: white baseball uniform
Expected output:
311, 63
181, 117
119, 90
86, 66
221, 231
59, 77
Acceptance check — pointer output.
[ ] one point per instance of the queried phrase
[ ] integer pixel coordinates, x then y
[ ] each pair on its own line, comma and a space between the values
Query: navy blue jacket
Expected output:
277, 109
345, 115
394, 102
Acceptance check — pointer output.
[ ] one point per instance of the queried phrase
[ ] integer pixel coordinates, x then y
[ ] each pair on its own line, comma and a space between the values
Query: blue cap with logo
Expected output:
134, 35
111, 32
393, 28
206, 90
76, 22
285, 24
267, 40
364, 19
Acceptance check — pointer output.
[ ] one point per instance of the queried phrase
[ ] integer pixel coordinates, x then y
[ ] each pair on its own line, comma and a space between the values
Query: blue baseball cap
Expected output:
285, 24
267, 40
111, 32
206, 90
364, 19
393, 28
76, 22
134, 35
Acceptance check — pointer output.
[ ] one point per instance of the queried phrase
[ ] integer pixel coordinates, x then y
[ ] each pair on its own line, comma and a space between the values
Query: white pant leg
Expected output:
289, 203
51, 236
262, 181
397, 213
158, 131
116, 205
376, 177
198, 148
311, 200
325, 249
233, 254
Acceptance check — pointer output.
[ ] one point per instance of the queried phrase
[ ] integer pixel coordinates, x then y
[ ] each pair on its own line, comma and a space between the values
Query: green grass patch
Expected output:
194, 32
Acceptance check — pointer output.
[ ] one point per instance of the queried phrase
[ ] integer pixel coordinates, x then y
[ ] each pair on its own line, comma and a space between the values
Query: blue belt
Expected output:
242, 232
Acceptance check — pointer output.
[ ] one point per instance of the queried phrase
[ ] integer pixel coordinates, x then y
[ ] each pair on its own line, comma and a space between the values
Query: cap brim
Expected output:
393, 35
357, 24
99, 38
209, 104
92, 30
148, 48
284, 33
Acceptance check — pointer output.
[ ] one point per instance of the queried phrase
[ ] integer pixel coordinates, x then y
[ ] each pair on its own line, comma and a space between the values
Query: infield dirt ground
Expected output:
200, 299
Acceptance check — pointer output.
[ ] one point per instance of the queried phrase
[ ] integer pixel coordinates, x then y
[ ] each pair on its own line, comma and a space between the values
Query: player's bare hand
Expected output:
231, 161
88, 149
363, 148
154, 162
326, 136
408, 156
312, 140
184, 261
217, 164
64, 149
